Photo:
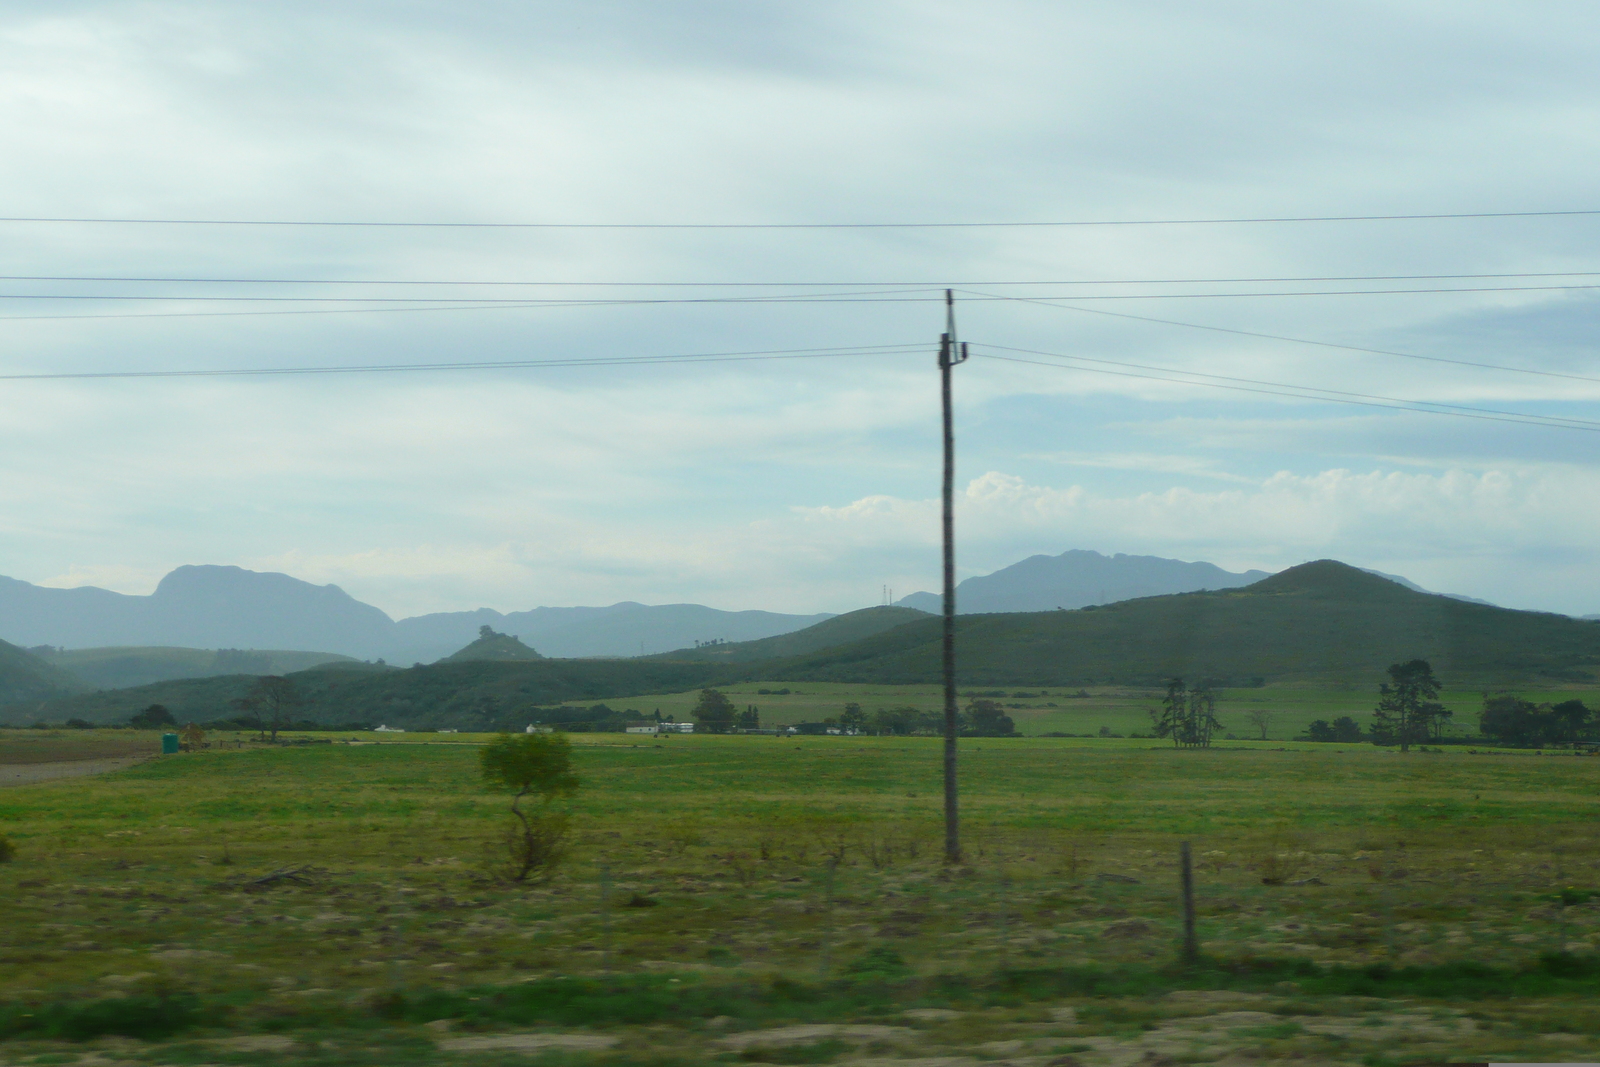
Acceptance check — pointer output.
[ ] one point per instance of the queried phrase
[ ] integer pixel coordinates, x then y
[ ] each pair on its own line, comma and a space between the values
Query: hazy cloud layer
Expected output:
799, 484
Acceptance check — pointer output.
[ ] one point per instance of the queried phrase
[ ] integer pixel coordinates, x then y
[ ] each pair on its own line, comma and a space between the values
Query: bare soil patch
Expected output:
53, 746
30, 773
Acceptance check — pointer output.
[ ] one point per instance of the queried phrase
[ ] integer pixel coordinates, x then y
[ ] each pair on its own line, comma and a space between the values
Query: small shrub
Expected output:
8, 850
535, 846
147, 1017
879, 964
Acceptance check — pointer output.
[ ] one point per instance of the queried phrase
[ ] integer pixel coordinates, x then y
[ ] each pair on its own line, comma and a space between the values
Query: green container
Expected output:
169, 744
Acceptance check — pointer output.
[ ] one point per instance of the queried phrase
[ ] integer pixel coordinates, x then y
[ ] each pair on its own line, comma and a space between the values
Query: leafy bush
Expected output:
1343, 730
146, 1017
8, 850
153, 717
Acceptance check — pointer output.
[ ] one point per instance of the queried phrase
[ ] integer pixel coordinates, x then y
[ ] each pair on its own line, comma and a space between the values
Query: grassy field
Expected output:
1121, 709
723, 889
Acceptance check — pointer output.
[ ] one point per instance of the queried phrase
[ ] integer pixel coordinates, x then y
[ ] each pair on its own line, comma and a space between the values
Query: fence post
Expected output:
827, 915
1191, 949
605, 914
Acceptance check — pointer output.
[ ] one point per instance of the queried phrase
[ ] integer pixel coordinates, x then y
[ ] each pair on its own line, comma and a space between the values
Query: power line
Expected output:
1301, 392
1326, 292
842, 298
354, 224
1043, 302
515, 364
789, 298
462, 304
924, 283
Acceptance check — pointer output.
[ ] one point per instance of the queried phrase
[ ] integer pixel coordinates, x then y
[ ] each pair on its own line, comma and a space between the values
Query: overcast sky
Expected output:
799, 484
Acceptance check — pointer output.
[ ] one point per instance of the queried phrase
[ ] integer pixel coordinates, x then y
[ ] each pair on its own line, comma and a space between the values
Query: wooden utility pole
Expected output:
950, 353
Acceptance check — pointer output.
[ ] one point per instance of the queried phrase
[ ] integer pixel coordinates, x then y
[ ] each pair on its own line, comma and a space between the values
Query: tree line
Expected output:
1409, 713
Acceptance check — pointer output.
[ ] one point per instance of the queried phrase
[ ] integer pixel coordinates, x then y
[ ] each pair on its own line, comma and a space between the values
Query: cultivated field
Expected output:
757, 899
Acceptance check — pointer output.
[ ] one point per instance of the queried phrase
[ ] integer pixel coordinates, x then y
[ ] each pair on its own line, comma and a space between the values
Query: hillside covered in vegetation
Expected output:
837, 632
25, 677
1321, 621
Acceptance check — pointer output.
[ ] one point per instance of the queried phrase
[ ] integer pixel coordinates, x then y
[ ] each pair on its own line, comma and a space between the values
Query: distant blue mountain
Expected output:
230, 607
1078, 578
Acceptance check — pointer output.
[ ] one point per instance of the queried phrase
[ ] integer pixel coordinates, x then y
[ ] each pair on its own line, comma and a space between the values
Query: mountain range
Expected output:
209, 607
1322, 622
199, 618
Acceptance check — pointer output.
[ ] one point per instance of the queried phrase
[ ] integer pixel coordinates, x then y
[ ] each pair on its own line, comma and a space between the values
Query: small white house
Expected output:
676, 728
536, 729
643, 728
388, 730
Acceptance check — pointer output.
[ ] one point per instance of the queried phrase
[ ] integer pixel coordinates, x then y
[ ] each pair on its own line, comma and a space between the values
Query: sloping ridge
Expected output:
26, 677
1319, 621
837, 631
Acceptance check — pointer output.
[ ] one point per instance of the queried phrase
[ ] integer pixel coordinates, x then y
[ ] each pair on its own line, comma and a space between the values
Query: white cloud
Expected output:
735, 485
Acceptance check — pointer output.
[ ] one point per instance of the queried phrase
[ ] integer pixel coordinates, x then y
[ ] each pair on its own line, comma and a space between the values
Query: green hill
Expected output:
839, 630
503, 648
464, 694
25, 677
1322, 621
120, 668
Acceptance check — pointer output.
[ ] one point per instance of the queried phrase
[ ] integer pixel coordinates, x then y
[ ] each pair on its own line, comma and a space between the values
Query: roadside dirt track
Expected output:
29, 773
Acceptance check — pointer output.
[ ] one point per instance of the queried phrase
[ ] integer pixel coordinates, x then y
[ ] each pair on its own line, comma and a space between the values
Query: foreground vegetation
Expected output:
337, 901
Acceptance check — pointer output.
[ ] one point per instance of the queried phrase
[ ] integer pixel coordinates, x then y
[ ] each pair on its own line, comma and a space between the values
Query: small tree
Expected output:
714, 712
152, 718
1169, 720
854, 719
987, 719
1261, 719
192, 737
1202, 717
750, 718
532, 765
275, 698
1406, 705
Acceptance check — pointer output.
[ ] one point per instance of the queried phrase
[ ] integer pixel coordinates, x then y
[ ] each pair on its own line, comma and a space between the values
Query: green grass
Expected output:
792, 880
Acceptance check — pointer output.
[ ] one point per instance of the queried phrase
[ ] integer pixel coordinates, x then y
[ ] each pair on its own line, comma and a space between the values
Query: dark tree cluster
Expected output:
906, 720
1188, 716
985, 718
1343, 730
1523, 724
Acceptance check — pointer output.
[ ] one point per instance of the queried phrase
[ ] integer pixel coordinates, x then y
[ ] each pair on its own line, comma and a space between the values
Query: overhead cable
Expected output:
1045, 302
391, 224
1301, 392
513, 364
